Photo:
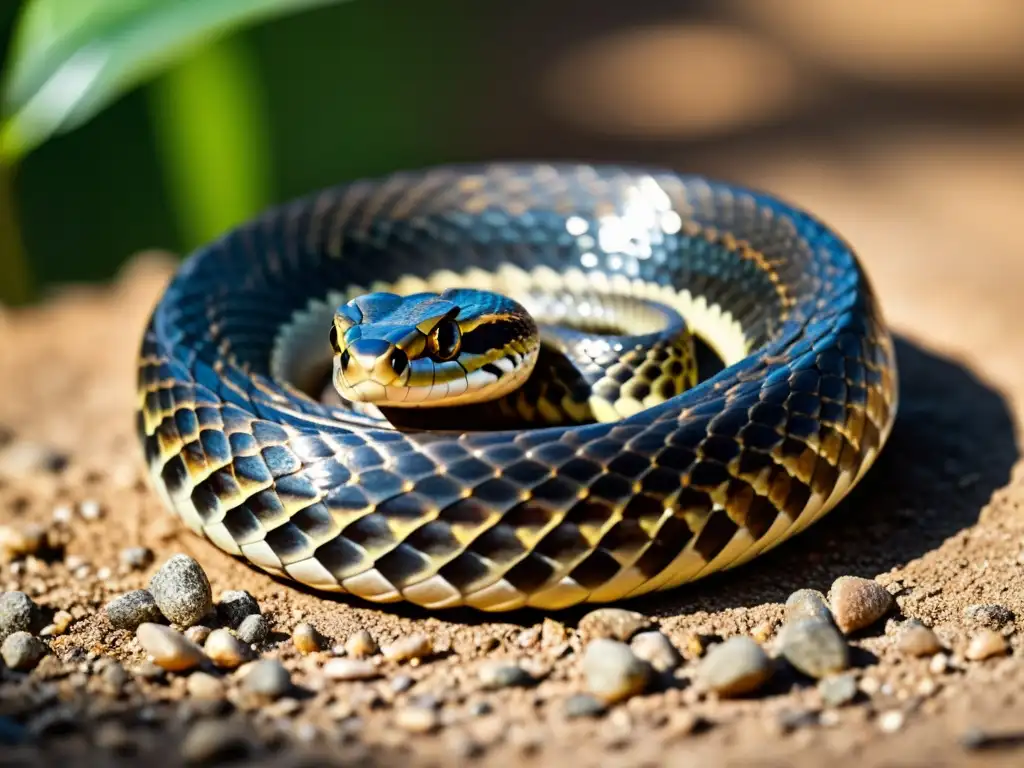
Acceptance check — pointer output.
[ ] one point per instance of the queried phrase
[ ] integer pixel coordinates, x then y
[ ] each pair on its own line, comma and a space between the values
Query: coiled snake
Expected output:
611, 485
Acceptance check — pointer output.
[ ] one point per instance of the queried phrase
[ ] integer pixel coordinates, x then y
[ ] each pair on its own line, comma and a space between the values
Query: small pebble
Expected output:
915, 639
401, 683
837, 690
268, 679
612, 623
613, 672
115, 677
858, 603
992, 616
136, 558
891, 721
807, 604
201, 685
415, 646
350, 669
215, 741
253, 629
181, 590
23, 457
18, 613
169, 649
18, 542
815, 647
62, 620
225, 650
22, 651
416, 719
198, 634
553, 633
985, 644
133, 608
503, 674
90, 509
657, 650
235, 605
114, 737
938, 664
361, 644
735, 667
306, 638
583, 705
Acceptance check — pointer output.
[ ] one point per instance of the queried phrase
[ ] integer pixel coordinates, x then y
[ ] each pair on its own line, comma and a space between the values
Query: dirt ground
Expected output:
938, 521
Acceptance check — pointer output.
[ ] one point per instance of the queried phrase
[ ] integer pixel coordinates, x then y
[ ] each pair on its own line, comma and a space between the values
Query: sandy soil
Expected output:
938, 521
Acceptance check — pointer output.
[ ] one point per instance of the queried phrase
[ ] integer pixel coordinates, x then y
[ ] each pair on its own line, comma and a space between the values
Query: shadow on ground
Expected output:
952, 447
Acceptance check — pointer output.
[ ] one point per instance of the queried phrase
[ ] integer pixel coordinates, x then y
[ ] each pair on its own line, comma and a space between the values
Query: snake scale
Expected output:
537, 515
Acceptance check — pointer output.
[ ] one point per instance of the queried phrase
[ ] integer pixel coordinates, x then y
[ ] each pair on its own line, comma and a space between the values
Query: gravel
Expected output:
22, 651
253, 629
235, 605
985, 644
18, 613
133, 608
657, 650
814, 647
225, 650
613, 623
168, 648
267, 679
306, 638
858, 603
182, 590
807, 604
361, 645
915, 639
136, 558
201, 685
583, 705
502, 674
993, 616
412, 647
736, 667
837, 690
210, 741
612, 671
350, 669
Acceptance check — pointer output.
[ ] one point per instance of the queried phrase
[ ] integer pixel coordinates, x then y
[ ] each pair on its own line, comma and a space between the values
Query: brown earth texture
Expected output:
938, 522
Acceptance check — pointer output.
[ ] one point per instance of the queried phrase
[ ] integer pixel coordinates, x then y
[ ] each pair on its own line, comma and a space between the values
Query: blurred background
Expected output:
137, 124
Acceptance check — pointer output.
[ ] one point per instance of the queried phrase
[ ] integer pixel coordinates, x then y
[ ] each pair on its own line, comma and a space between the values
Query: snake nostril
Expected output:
399, 361
345, 357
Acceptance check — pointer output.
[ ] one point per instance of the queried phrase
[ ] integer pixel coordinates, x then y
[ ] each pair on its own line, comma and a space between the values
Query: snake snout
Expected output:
374, 360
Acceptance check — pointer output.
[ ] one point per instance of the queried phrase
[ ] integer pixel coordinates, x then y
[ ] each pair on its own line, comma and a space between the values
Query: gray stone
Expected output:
815, 647
235, 605
735, 667
253, 629
182, 590
132, 609
18, 613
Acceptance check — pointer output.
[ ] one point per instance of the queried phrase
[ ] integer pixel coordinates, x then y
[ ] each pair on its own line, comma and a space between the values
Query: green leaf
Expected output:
71, 58
210, 126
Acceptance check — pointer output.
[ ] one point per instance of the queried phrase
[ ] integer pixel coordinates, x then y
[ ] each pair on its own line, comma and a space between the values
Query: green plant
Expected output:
69, 59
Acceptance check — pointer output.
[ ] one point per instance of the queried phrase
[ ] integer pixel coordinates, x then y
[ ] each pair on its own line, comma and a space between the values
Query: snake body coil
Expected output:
544, 516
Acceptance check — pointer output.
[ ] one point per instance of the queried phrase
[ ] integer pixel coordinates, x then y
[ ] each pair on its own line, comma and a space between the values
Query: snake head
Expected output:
431, 349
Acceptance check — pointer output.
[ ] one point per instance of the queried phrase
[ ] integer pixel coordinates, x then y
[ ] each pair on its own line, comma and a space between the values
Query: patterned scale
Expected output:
541, 516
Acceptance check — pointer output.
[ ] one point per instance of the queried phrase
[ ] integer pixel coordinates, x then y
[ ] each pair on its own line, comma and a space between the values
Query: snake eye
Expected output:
334, 337
445, 340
